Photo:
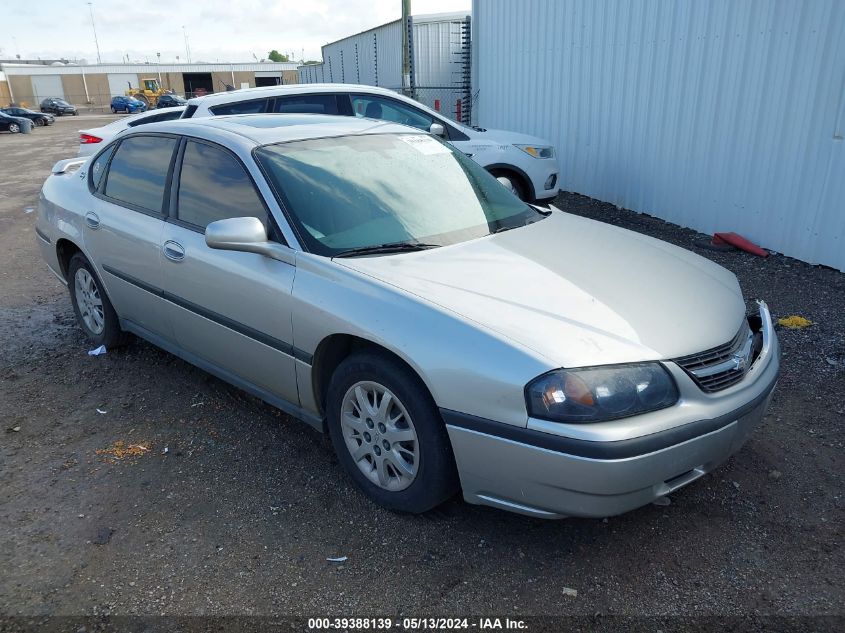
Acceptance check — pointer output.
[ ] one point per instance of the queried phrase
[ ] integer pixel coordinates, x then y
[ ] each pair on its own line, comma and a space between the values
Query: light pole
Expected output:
94, 28
187, 47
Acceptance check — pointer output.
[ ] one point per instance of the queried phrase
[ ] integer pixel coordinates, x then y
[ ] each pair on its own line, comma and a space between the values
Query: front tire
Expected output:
93, 310
388, 433
520, 189
14, 128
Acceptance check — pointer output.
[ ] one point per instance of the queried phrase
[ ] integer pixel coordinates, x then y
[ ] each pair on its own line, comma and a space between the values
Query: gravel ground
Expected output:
234, 508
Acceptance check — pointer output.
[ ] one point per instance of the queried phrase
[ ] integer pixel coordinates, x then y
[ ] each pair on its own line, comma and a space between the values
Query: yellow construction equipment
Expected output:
150, 92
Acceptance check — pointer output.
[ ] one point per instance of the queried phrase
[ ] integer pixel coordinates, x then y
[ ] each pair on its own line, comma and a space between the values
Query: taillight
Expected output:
87, 139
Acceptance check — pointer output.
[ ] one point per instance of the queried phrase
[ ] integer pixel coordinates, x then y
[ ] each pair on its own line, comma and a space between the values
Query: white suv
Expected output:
528, 162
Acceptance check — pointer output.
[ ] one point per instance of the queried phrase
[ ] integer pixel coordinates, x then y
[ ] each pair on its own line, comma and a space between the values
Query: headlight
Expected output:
537, 151
596, 394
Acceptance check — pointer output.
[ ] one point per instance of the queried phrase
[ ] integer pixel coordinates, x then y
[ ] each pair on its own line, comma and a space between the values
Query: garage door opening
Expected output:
267, 81
197, 84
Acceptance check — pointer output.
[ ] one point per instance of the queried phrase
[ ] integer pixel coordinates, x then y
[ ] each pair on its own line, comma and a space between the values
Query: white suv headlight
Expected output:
538, 151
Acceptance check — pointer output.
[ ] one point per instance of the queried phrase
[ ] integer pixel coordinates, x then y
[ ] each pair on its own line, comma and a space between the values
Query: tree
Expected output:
276, 56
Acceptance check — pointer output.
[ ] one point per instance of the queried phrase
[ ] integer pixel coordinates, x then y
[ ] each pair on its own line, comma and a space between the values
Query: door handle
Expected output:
92, 220
174, 251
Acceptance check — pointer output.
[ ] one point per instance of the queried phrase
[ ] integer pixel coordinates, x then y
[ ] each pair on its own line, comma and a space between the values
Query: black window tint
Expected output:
306, 104
189, 111
214, 186
164, 116
374, 107
138, 171
98, 168
242, 107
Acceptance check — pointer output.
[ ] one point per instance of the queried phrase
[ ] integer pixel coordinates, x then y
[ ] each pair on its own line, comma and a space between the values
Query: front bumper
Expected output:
548, 476
544, 179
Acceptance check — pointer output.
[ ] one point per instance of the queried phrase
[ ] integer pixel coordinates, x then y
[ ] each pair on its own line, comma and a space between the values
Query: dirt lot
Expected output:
232, 508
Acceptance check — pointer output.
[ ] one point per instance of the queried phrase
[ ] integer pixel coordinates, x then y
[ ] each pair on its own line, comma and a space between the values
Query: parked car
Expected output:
526, 161
14, 124
130, 105
37, 118
170, 101
57, 106
380, 285
92, 139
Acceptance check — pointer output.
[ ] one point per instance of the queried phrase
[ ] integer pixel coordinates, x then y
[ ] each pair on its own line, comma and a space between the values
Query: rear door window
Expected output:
138, 172
254, 106
213, 185
306, 104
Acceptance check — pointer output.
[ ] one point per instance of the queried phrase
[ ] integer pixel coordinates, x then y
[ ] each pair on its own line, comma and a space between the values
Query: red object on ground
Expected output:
437, 105
458, 112
740, 242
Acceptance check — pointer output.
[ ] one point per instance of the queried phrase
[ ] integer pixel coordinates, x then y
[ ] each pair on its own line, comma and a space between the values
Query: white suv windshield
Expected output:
355, 192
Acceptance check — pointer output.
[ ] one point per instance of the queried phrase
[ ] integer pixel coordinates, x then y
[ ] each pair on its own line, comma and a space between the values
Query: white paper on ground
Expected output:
98, 351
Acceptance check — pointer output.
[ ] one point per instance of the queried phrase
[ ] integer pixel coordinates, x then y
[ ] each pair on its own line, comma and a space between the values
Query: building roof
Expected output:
72, 69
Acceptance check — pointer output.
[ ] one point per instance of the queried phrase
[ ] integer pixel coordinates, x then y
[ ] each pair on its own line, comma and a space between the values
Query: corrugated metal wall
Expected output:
718, 115
372, 58
437, 40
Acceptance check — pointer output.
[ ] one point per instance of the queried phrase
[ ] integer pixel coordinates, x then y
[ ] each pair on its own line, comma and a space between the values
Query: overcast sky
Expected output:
224, 30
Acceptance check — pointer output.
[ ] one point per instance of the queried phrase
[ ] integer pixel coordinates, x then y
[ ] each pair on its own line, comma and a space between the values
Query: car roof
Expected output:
246, 94
262, 129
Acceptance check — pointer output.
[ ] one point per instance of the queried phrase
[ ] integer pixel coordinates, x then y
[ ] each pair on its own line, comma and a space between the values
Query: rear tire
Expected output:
402, 455
91, 305
113, 110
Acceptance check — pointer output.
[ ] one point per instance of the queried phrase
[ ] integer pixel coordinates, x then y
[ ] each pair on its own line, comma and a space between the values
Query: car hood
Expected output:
577, 291
509, 138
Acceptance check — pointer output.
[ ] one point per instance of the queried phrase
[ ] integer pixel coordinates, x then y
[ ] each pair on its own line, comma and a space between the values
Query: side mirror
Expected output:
246, 235
506, 183
437, 129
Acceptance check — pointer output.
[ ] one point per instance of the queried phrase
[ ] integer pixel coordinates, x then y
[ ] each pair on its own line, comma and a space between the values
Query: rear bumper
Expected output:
549, 476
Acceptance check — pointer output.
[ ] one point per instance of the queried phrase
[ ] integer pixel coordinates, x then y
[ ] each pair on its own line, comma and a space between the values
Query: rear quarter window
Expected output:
255, 106
164, 116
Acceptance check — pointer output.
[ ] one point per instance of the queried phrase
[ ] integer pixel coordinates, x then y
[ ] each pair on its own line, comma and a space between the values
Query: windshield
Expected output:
355, 192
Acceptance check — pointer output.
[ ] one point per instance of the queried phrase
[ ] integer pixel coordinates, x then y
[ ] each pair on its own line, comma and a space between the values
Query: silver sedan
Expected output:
379, 285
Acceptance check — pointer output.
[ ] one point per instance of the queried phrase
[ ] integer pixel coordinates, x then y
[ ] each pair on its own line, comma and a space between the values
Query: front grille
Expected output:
723, 366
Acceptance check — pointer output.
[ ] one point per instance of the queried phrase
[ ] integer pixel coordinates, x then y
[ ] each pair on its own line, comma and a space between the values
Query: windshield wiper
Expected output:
502, 229
380, 249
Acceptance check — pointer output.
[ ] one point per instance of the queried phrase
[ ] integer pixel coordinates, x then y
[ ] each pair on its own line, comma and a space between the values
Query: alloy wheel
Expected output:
88, 301
380, 435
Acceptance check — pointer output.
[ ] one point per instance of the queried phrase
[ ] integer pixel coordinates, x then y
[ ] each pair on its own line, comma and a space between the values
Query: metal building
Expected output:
717, 115
94, 85
374, 58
